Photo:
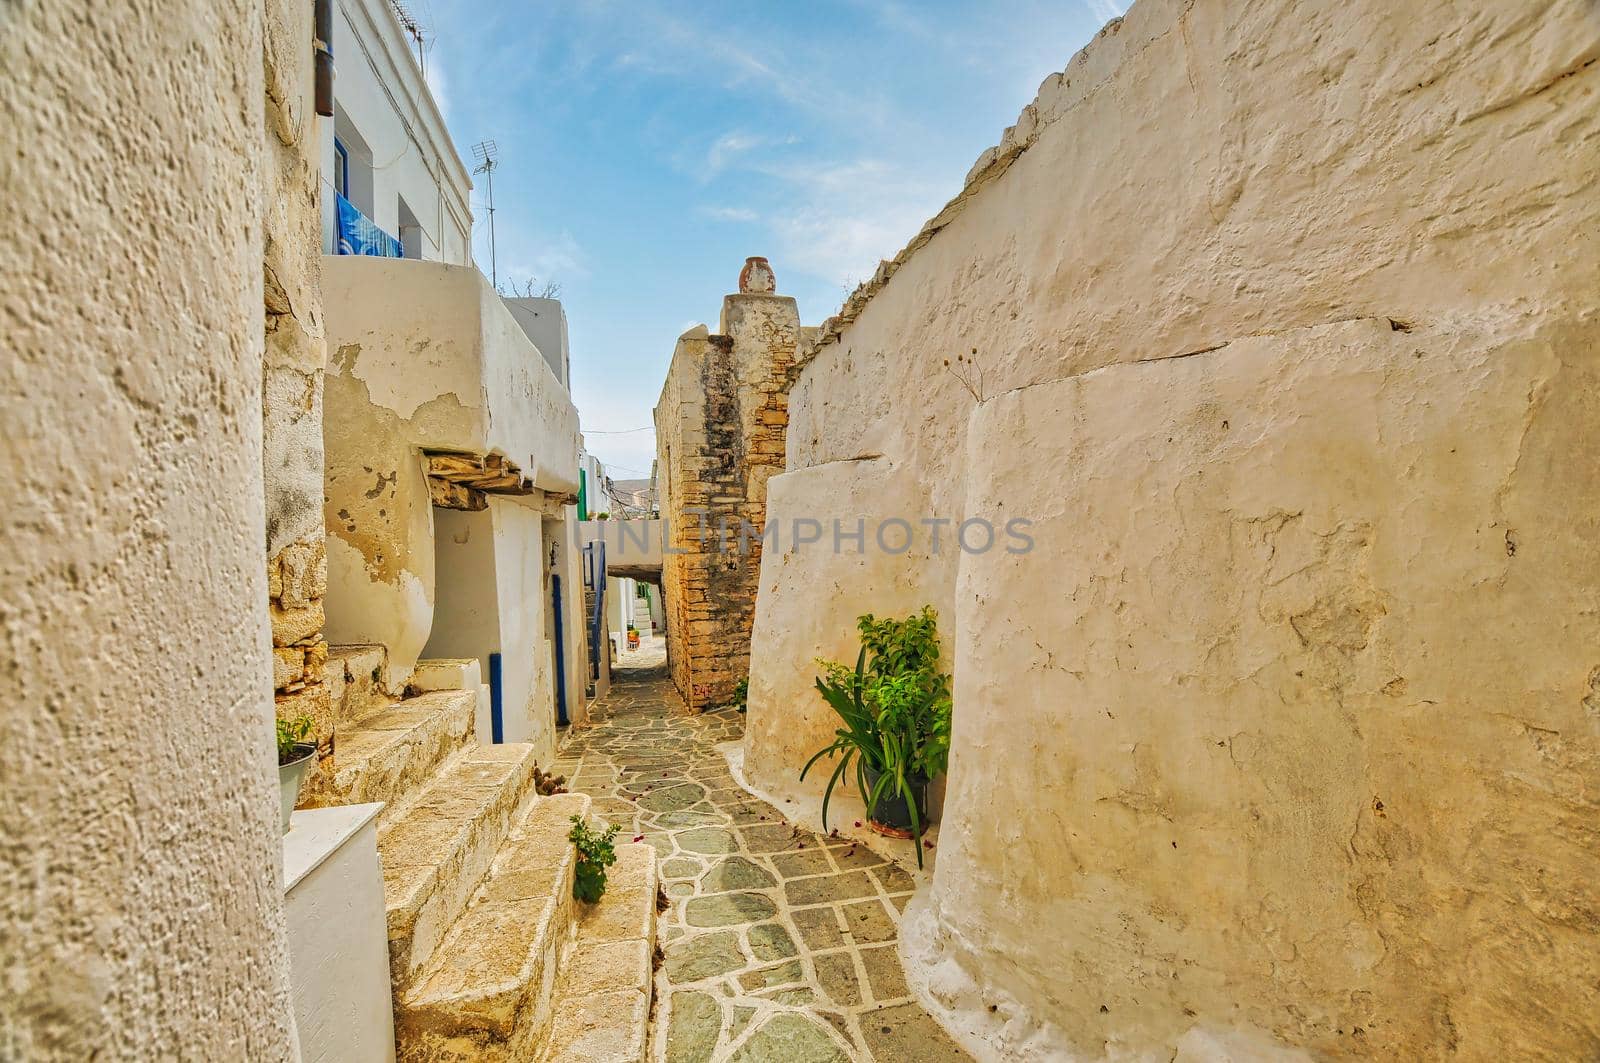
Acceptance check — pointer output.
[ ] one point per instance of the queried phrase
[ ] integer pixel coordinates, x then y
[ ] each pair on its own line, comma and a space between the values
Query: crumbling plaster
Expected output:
1275, 320
422, 356
141, 867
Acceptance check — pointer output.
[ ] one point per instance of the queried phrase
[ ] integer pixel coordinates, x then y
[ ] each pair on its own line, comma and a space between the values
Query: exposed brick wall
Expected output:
720, 428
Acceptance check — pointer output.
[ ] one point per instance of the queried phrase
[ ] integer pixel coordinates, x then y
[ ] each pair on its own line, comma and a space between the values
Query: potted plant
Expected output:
633, 637
895, 707
294, 757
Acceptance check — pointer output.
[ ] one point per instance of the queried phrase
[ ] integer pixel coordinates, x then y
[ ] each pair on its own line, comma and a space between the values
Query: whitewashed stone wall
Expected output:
1276, 319
141, 864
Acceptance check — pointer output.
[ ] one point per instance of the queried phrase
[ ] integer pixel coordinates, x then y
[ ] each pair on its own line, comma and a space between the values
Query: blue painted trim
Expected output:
496, 726
561, 657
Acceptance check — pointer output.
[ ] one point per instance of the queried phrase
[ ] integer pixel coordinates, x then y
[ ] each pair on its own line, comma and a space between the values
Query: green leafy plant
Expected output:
293, 736
596, 852
741, 694
895, 708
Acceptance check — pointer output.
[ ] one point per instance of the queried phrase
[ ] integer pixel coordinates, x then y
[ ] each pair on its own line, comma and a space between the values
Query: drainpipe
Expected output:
322, 47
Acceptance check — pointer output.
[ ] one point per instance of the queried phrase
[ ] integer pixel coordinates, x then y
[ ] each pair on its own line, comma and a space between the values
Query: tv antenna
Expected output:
414, 30
488, 156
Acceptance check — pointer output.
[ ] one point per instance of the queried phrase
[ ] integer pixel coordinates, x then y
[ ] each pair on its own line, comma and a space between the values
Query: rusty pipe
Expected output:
322, 48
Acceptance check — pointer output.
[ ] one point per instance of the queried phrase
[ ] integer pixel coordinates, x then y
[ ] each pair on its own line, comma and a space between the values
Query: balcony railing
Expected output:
358, 235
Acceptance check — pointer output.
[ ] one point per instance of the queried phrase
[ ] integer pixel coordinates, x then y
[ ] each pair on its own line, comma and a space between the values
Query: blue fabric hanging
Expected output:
359, 236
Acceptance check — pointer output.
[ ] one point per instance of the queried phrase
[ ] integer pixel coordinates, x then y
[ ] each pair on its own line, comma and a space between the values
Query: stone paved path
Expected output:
778, 943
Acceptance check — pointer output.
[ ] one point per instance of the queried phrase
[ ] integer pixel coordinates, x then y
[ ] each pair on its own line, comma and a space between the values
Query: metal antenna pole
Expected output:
487, 154
494, 255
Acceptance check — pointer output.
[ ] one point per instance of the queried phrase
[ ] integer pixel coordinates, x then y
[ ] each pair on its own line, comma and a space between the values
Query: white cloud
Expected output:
438, 85
558, 258
730, 146
846, 216
736, 214
1105, 10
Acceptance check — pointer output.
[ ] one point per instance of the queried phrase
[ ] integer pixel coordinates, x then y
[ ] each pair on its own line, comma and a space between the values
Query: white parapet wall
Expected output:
338, 938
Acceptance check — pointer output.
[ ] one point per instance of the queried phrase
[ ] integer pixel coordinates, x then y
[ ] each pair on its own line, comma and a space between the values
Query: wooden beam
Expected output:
456, 467
447, 495
504, 483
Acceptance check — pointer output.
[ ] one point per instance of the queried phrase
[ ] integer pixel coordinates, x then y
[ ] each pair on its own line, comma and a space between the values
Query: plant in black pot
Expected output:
295, 750
895, 709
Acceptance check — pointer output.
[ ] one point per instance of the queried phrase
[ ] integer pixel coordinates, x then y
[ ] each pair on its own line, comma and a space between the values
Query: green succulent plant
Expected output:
895, 708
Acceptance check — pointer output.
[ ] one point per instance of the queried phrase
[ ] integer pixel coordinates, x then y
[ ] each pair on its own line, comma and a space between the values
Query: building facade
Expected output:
393, 182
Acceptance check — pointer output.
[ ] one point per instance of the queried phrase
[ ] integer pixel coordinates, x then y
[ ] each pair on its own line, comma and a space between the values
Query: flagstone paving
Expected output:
777, 943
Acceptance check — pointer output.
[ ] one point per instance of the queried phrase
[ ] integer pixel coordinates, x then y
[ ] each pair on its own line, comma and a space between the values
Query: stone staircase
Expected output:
490, 957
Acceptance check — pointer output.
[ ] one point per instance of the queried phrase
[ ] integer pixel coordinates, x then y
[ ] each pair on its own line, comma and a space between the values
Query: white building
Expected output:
421, 565
387, 152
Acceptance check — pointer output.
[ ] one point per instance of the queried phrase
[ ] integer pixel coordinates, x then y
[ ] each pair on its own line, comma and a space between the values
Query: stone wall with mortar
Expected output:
1275, 321
291, 395
141, 866
720, 428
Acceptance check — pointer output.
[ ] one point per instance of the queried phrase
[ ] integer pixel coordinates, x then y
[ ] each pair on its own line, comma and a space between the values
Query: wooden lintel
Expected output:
455, 466
448, 495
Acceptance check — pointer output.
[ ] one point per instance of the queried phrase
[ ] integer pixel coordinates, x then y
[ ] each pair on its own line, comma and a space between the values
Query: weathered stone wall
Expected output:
141, 863
297, 565
719, 436
1275, 320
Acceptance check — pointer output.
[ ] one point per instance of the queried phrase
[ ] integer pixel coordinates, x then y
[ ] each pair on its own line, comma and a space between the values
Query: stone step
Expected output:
436, 853
487, 991
446, 673
455, 673
355, 677
390, 754
602, 1009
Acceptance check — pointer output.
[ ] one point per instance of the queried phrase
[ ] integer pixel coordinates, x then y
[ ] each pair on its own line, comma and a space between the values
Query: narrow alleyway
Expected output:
778, 943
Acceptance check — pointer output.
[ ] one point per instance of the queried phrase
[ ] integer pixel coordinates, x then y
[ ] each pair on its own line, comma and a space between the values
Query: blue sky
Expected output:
646, 148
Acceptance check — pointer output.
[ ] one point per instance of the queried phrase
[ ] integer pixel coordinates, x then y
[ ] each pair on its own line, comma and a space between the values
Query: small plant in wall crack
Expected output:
970, 374
597, 851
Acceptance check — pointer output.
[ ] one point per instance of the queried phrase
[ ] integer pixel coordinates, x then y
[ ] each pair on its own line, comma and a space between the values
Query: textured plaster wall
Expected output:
719, 437
1286, 732
141, 863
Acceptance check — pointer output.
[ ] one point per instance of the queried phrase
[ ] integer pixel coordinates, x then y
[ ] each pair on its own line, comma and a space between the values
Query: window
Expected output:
341, 168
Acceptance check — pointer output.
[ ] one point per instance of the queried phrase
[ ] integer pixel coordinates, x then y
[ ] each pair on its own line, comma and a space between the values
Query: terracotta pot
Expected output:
757, 277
